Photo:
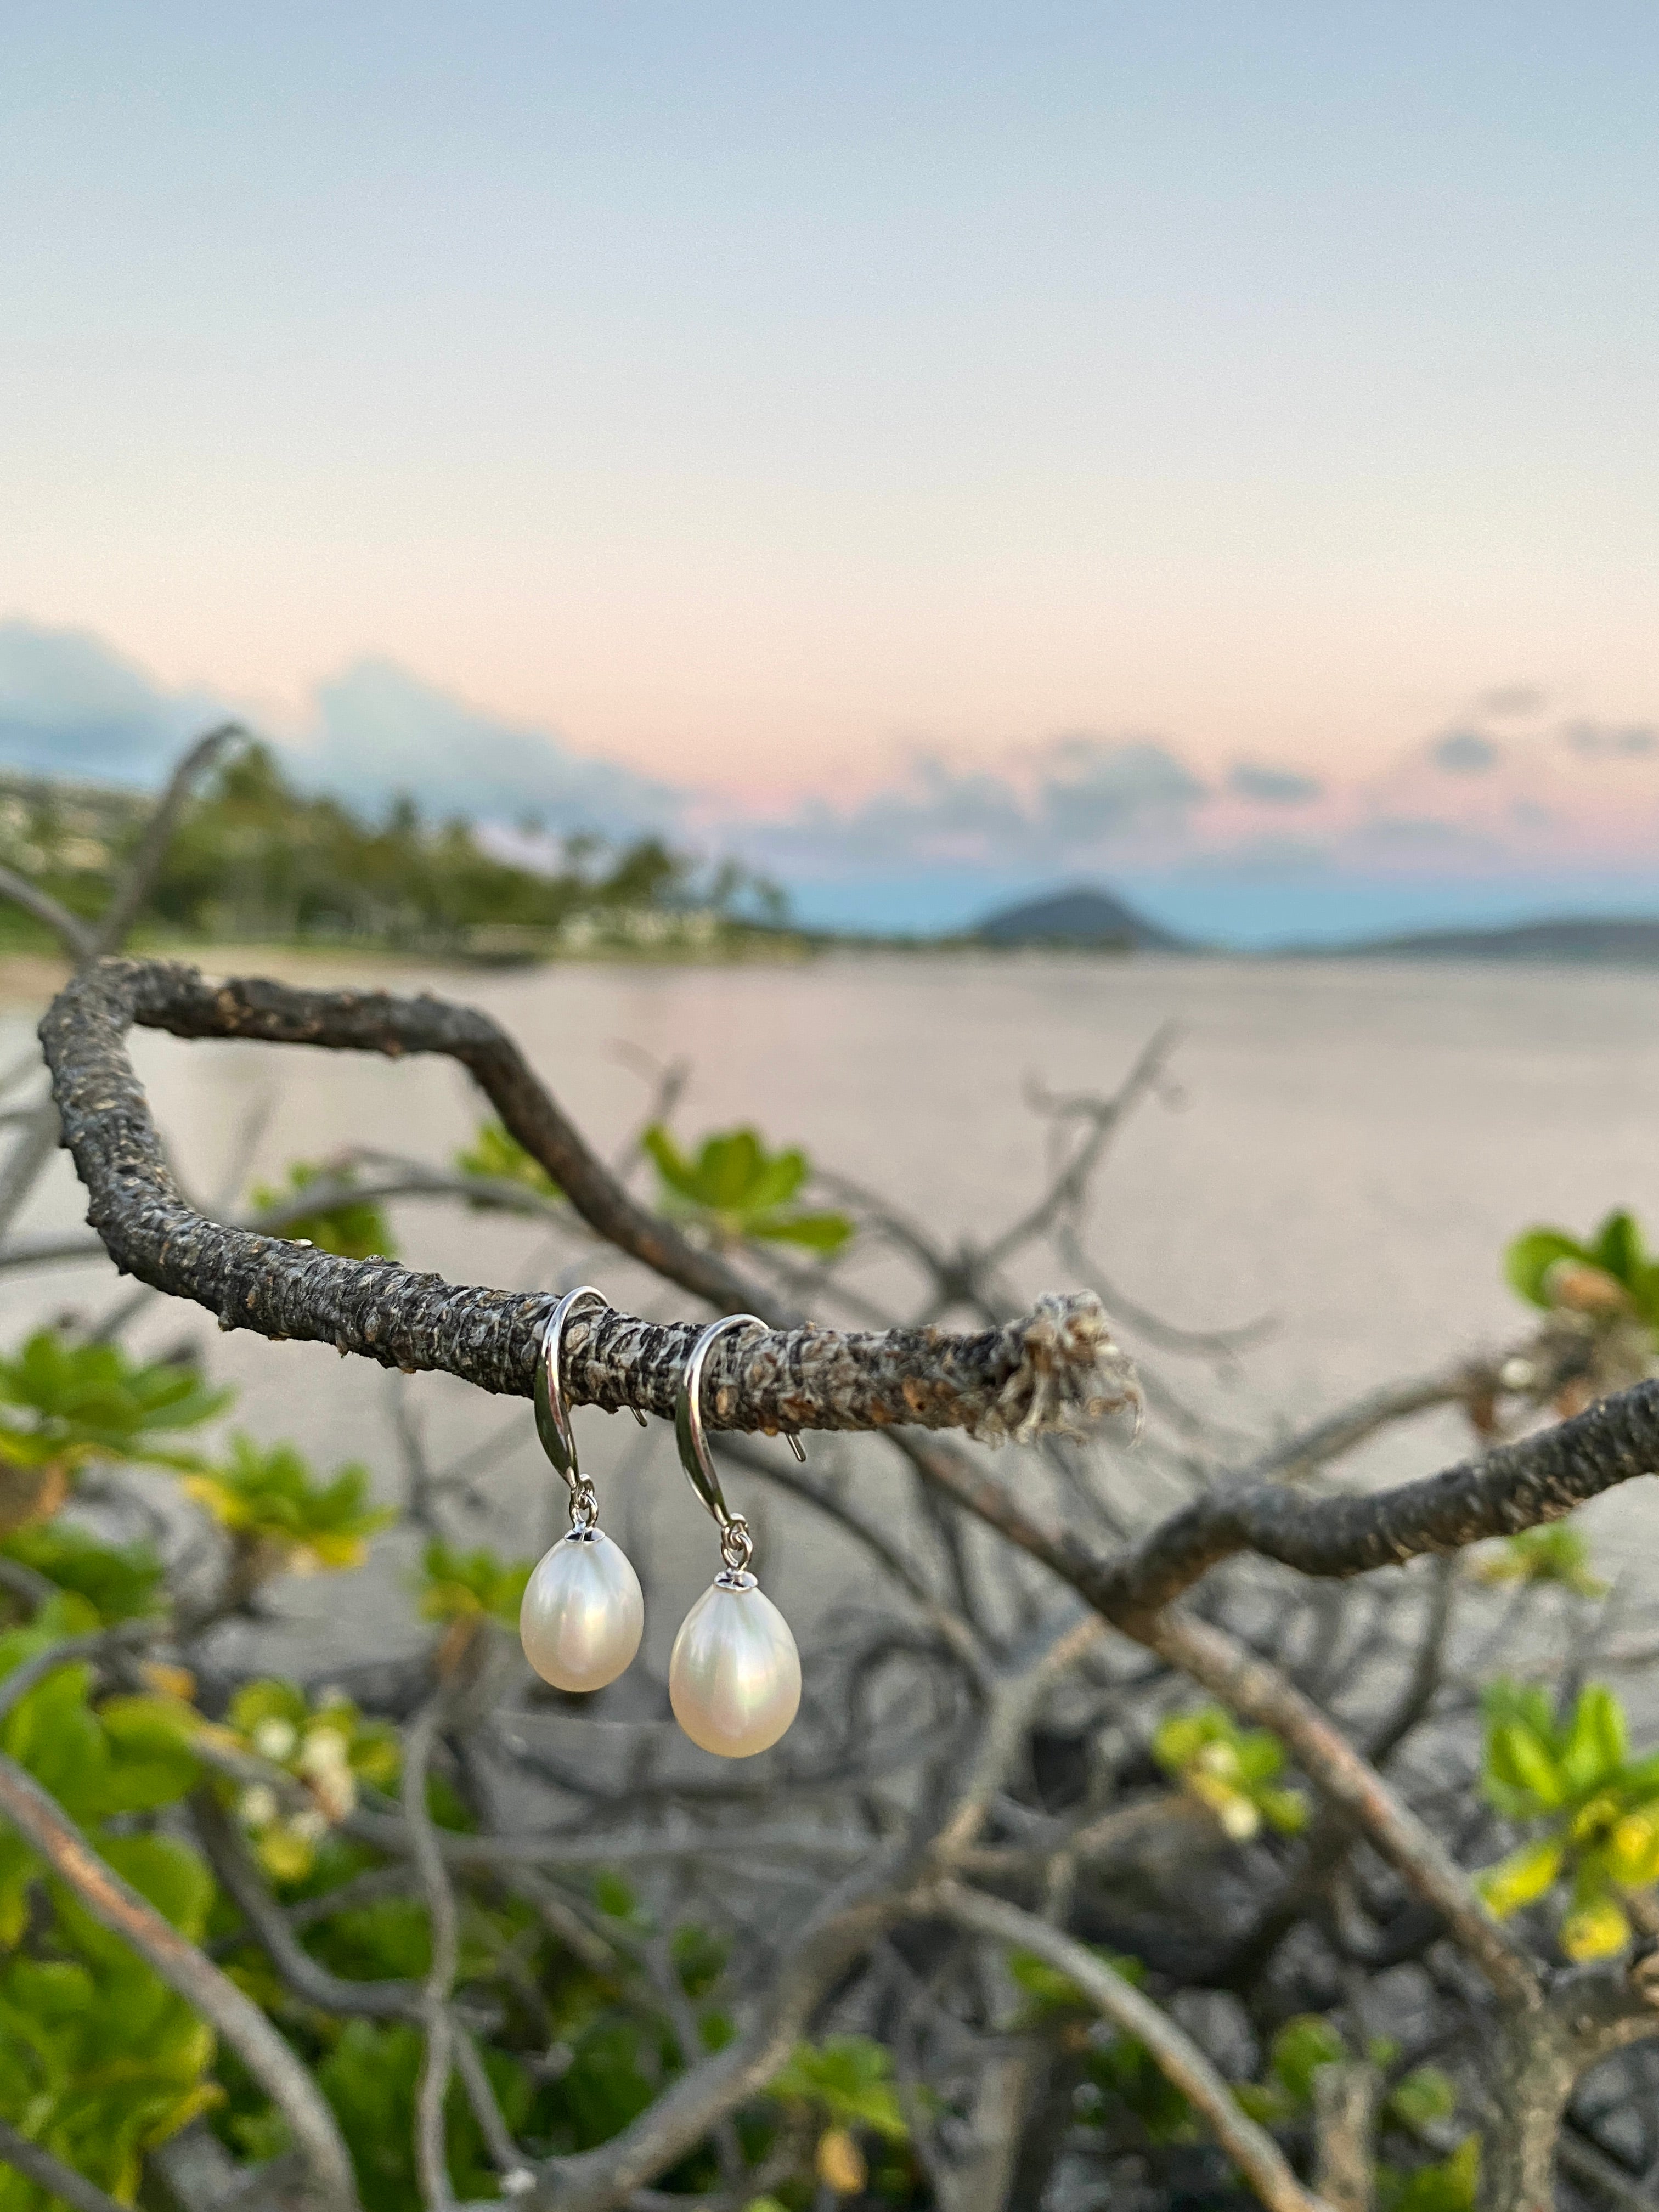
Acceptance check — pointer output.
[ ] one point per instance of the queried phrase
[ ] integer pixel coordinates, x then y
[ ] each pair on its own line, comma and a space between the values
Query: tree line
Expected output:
254, 859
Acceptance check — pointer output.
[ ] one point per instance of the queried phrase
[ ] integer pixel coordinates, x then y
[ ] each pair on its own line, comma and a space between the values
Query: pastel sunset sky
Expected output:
939, 451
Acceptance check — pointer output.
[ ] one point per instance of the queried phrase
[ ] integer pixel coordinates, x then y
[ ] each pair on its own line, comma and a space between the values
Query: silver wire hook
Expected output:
552, 1414
736, 1543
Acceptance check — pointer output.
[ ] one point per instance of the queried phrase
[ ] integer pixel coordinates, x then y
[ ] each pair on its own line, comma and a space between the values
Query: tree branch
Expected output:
120, 1908
139, 875
438, 2062
268, 1926
1513, 1486
1262, 1693
1177, 2055
843, 1927
71, 933
1055, 1371
50, 2173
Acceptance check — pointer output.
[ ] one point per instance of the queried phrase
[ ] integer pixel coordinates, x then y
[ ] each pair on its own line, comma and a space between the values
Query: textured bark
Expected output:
1514, 1486
1054, 1372
1345, 2119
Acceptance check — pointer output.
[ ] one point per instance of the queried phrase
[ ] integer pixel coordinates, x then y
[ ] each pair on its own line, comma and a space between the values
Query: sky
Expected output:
934, 453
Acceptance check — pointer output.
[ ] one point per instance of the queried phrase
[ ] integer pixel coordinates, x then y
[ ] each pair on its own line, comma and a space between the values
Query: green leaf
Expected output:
353, 1229
1597, 1740
1522, 1878
369, 2077
1516, 1757
1633, 1849
675, 1169
1557, 1553
1230, 1769
1598, 1928
496, 1155
1645, 1293
120, 1582
849, 2079
1422, 2098
814, 1232
614, 1897
72, 1403
456, 1584
153, 1763
53, 1733
1617, 1248
736, 1188
169, 1873
1450, 2185
1502, 1700
268, 1499
699, 1957
1529, 1260
1301, 2047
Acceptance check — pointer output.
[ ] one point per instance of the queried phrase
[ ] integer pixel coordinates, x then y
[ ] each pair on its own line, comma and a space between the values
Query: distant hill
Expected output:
1086, 917
1608, 940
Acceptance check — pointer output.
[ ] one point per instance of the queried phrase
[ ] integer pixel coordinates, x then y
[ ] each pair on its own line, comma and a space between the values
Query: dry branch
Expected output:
1177, 2055
50, 2173
1514, 1486
1056, 1371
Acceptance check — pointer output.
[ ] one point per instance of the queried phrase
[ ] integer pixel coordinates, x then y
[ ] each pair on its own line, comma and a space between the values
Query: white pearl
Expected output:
583, 1612
734, 1673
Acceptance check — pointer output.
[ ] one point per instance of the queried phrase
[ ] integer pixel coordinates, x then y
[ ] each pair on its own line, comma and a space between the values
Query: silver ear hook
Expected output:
552, 1414
737, 1545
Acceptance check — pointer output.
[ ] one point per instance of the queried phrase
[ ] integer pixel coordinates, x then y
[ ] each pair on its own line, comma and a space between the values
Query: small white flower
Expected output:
324, 1751
257, 1807
310, 1826
275, 1739
1239, 1819
335, 1789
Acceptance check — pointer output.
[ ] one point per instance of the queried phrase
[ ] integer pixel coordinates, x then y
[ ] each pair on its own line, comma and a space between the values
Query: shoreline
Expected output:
31, 978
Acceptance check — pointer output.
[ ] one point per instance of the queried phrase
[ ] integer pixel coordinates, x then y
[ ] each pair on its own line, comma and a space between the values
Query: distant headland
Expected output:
1091, 918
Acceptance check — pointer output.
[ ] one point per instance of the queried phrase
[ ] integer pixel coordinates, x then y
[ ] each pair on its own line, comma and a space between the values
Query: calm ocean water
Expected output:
1354, 1145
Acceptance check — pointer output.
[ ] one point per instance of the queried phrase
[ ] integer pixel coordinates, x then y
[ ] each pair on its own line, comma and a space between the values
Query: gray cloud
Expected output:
1465, 753
1610, 741
1261, 860
1076, 794
1088, 787
71, 706
380, 729
1507, 699
1271, 787
1421, 833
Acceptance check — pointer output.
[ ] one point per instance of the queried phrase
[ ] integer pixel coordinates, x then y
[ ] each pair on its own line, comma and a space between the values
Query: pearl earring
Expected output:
734, 1673
583, 1612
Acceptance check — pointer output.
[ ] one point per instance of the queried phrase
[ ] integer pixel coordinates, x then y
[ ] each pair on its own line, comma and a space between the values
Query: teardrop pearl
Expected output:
734, 1673
583, 1612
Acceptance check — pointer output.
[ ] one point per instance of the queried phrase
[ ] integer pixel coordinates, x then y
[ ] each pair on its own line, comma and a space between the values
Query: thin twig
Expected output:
1175, 2055
71, 933
51, 2174
1262, 1693
431, 2163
